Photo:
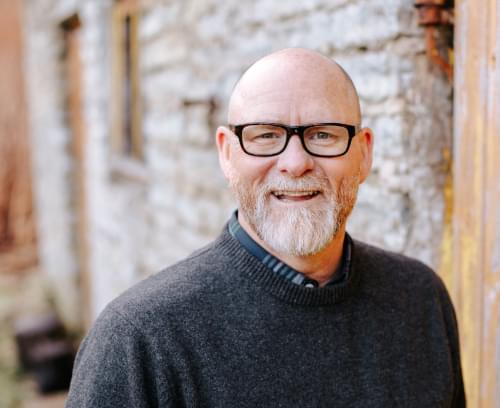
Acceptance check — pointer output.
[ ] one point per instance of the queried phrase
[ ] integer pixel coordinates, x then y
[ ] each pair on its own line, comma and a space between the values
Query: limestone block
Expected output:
162, 197
392, 106
358, 24
258, 13
212, 215
197, 132
193, 11
162, 51
159, 95
388, 137
213, 28
385, 225
160, 126
155, 20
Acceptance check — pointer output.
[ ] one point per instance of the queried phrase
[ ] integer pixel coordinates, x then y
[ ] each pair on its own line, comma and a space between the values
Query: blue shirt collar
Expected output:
281, 268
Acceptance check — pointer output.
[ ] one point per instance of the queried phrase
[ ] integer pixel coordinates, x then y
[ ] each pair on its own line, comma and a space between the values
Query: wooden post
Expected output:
71, 28
476, 219
17, 228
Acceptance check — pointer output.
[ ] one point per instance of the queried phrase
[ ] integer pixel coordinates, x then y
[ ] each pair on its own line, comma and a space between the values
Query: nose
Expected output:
295, 160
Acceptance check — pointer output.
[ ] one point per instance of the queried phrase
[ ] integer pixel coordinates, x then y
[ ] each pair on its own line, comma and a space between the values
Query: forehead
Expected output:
297, 108
293, 94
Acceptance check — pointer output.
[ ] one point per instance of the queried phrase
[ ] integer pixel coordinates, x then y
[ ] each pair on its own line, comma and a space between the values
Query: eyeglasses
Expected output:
271, 139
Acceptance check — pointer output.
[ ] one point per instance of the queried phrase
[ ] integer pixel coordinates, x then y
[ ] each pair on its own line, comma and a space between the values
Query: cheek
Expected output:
337, 172
249, 169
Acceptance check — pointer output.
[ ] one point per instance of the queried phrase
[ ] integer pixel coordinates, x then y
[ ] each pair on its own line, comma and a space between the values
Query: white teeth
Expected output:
295, 193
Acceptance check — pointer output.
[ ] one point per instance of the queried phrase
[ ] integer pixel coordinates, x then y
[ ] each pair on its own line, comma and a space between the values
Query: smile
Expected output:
288, 195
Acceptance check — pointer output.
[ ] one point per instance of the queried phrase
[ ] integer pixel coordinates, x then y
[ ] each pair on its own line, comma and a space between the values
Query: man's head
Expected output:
294, 201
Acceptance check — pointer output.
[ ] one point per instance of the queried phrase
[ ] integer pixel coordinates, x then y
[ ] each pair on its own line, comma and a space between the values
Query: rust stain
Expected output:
446, 258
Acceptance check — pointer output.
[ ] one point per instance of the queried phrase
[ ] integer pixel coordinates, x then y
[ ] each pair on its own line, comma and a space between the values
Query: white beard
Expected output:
298, 231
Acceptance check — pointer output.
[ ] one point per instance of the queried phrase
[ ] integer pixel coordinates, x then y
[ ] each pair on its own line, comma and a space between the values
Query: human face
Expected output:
312, 215
294, 202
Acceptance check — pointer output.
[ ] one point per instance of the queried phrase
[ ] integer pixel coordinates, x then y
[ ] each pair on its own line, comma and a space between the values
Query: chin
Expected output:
298, 231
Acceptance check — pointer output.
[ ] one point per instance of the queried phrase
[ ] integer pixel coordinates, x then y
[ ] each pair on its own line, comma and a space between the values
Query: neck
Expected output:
320, 266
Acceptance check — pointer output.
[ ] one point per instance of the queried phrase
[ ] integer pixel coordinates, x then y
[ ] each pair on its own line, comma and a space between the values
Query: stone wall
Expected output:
191, 54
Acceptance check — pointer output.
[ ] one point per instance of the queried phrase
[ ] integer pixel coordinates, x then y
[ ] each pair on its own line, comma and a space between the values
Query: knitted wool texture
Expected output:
219, 329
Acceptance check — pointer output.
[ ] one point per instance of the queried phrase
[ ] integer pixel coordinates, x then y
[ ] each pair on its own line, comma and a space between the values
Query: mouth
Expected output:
289, 195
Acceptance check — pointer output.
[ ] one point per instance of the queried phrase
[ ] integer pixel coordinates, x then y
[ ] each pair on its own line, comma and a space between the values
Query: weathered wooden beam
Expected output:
476, 216
17, 227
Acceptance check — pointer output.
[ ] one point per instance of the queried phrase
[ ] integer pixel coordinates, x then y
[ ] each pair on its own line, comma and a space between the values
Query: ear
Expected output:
223, 141
366, 148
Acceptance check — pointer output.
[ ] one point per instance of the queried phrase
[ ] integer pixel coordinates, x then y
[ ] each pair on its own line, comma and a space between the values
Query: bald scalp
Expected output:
297, 71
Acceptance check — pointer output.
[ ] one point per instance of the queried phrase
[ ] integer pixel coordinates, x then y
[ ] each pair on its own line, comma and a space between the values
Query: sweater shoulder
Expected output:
392, 269
176, 290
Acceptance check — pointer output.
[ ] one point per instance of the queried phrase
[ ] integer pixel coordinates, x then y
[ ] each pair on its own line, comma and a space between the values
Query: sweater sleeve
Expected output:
116, 366
459, 400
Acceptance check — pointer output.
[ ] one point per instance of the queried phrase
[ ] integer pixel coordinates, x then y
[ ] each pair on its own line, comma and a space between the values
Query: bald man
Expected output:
284, 308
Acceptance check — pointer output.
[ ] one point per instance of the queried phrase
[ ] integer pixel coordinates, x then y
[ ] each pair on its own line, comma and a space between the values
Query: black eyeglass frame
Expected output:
352, 131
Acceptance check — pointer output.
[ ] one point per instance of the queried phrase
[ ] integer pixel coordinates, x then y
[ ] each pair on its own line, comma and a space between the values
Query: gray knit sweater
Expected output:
219, 329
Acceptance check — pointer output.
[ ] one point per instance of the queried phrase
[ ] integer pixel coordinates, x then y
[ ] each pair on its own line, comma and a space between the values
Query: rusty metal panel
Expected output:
476, 217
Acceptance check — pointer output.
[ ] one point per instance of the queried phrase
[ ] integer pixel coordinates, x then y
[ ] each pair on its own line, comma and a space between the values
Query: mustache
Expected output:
305, 183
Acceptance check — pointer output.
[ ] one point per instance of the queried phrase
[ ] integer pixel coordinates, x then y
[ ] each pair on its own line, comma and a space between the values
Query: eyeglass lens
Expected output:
269, 139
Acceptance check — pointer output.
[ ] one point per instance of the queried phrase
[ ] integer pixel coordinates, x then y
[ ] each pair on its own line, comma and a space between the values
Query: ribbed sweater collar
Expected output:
263, 278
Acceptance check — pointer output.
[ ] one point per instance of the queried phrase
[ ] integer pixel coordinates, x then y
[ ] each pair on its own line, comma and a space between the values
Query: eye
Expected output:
323, 136
267, 136
263, 134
